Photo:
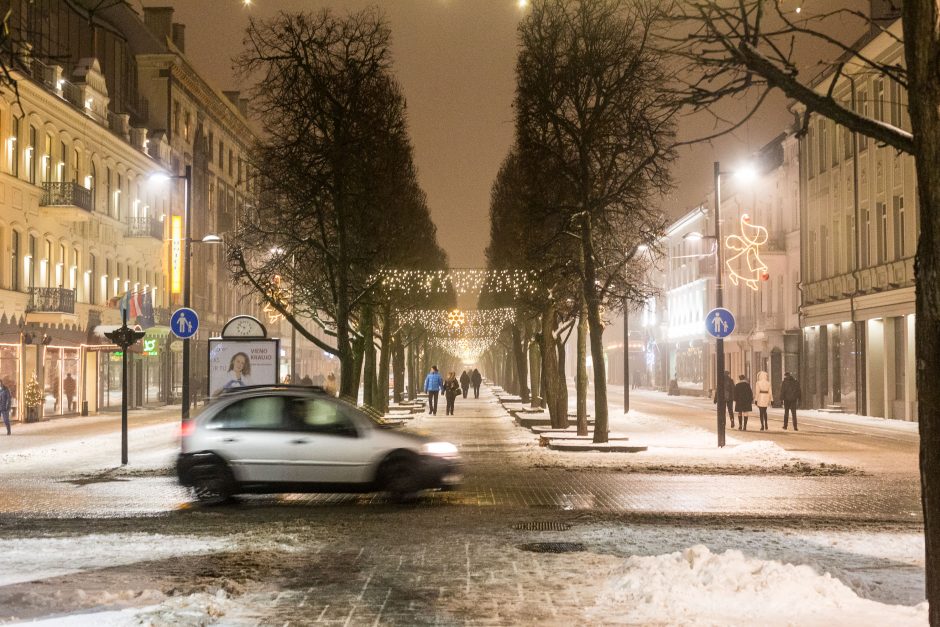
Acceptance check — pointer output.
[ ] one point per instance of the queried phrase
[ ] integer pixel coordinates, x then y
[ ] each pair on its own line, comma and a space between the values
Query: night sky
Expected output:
455, 60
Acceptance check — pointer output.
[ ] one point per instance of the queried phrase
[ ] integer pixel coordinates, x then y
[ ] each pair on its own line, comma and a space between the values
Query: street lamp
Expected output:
187, 177
746, 174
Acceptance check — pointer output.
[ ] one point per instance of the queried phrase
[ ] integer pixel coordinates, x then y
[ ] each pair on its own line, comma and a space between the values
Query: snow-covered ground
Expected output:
627, 574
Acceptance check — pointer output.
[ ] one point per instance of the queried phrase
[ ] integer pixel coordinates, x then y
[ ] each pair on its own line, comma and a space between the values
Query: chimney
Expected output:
179, 36
159, 20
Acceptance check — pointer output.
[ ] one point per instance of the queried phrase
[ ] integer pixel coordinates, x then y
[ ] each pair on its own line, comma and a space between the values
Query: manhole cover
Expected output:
542, 526
552, 547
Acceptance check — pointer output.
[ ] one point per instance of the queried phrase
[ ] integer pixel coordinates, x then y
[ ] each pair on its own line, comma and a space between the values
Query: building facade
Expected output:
860, 214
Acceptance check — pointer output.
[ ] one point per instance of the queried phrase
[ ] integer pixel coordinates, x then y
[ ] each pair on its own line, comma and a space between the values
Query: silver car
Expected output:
299, 439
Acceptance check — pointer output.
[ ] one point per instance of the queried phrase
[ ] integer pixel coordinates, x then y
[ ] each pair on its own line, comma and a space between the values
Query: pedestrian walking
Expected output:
727, 396
465, 383
306, 380
451, 390
433, 383
791, 394
6, 401
476, 379
763, 397
69, 387
330, 385
743, 401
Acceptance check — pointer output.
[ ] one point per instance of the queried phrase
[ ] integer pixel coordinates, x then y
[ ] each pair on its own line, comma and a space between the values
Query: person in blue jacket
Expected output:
433, 383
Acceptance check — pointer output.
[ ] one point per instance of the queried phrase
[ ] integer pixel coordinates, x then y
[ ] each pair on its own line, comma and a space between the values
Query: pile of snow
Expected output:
195, 610
31, 559
698, 587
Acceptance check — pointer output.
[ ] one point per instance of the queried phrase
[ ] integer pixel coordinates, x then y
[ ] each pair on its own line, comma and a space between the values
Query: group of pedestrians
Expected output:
451, 387
741, 398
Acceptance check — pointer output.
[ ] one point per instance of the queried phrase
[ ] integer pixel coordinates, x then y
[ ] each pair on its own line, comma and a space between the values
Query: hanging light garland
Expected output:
475, 322
460, 281
467, 350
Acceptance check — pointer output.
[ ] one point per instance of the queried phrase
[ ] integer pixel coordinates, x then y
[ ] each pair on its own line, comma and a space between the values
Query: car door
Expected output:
327, 444
252, 435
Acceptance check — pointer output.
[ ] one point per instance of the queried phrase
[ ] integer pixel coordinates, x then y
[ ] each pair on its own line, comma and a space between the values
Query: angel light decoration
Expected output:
746, 266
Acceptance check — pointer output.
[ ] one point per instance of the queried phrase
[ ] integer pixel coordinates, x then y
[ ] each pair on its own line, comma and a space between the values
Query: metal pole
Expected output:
293, 329
187, 250
719, 343
124, 396
626, 361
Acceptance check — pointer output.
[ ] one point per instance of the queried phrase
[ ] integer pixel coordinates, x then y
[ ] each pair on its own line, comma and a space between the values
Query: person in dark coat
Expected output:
476, 379
451, 390
743, 401
6, 402
465, 383
790, 393
727, 396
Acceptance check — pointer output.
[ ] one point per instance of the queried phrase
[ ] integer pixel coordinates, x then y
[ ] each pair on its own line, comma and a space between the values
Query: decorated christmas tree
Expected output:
33, 393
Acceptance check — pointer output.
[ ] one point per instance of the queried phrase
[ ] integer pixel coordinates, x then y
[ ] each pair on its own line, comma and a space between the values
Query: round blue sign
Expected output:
719, 322
184, 323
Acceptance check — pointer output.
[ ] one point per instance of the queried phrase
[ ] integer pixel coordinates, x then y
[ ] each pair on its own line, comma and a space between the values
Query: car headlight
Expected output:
442, 449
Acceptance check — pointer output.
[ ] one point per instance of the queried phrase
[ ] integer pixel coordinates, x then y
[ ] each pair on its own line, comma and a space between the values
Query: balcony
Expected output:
69, 201
51, 305
146, 226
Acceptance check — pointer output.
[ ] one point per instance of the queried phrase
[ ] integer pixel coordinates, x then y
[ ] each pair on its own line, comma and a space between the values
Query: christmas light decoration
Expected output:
476, 322
281, 296
459, 281
746, 266
456, 318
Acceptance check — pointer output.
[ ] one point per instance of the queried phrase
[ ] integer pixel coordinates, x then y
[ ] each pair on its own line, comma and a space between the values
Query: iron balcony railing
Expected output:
66, 195
51, 299
145, 226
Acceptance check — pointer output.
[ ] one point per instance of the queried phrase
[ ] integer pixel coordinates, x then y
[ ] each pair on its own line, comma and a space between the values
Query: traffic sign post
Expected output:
719, 323
125, 337
184, 323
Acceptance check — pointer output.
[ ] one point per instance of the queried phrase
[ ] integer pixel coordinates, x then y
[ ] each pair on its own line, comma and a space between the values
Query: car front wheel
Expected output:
400, 479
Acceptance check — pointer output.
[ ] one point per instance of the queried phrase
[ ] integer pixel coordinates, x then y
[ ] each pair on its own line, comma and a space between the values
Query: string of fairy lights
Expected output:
466, 349
470, 322
458, 281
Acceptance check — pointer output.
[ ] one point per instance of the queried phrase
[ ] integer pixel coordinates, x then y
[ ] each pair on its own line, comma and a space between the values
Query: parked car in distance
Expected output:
270, 439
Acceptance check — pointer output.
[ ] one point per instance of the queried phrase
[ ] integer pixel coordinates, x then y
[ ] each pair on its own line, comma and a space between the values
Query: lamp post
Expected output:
719, 342
187, 178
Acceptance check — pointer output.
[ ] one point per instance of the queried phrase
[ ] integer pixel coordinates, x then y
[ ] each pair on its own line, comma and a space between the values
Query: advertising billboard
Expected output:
235, 364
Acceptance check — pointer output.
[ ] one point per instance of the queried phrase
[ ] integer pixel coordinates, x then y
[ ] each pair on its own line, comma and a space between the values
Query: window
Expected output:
92, 183
900, 225
31, 156
260, 413
15, 151
850, 242
76, 171
865, 238
63, 164
15, 261
46, 265
109, 191
824, 252
176, 116
823, 144
231, 162
834, 144
117, 196
31, 273
93, 280
211, 146
882, 209
186, 122
221, 155
879, 99
813, 270
47, 160
61, 267
321, 416
863, 110
895, 95
810, 149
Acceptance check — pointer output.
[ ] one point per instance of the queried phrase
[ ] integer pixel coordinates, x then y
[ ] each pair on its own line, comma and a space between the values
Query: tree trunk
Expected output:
922, 51
412, 362
597, 331
562, 380
385, 358
398, 367
348, 380
367, 329
535, 375
550, 379
582, 376
356, 377
520, 343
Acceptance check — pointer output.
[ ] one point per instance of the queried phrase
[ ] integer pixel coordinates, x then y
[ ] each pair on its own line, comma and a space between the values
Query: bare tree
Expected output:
751, 45
590, 111
335, 174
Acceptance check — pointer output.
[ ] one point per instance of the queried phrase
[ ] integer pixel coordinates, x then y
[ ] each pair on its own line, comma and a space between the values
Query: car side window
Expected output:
321, 416
263, 413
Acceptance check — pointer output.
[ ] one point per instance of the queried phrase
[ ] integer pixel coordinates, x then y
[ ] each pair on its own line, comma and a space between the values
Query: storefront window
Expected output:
60, 377
9, 366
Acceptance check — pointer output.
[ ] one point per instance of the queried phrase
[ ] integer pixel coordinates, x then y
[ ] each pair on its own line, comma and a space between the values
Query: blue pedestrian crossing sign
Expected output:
719, 322
184, 323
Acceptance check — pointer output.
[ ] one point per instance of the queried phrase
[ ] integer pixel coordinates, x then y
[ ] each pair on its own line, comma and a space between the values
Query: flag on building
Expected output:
134, 305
